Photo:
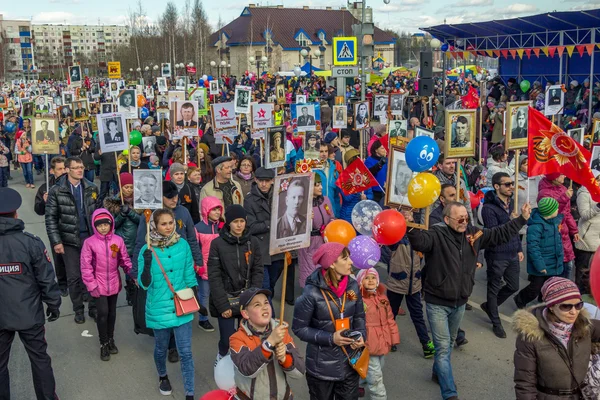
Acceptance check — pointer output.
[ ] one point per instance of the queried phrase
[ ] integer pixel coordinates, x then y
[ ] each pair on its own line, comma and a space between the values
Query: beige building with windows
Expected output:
278, 35
58, 46
16, 53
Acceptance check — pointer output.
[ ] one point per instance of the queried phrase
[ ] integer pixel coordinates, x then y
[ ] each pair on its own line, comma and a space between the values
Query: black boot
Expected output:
129, 291
112, 347
104, 352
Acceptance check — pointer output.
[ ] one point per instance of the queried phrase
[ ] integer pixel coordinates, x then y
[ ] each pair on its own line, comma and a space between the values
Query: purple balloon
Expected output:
364, 252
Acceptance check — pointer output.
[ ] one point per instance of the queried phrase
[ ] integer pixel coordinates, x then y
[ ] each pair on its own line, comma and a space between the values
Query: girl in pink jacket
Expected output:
207, 230
382, 331
101, 256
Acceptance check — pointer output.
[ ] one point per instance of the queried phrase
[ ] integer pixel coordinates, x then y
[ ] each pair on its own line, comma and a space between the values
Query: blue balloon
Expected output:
201, 82
422, 153
445, 47
144, 113
10, 127
210, 78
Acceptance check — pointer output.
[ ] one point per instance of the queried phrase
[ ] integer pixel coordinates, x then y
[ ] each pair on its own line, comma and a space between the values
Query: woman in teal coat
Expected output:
176, 259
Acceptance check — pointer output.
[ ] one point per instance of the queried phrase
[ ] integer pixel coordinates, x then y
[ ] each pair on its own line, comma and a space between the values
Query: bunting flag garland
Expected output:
550, 150
549, 51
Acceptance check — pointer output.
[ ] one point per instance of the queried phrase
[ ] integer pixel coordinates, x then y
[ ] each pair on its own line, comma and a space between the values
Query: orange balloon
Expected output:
339, 231
141, 100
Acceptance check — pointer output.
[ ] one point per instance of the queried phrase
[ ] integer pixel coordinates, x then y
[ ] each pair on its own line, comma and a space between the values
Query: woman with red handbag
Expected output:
168, 275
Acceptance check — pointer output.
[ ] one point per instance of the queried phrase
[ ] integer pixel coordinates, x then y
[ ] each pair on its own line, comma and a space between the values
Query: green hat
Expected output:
547, 206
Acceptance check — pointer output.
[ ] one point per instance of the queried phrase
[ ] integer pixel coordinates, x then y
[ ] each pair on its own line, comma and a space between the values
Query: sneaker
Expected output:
173, 356
499, 331
189, 397
64, 292
206, 326
461, 342
428, 350
468, 307
361, 392
394, 348
93, 313
401, 312
165, 386
219, 357
79, 318
38, 171
112, 347
104, 352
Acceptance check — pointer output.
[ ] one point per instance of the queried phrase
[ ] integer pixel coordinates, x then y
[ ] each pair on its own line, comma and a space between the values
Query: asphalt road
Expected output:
483, 368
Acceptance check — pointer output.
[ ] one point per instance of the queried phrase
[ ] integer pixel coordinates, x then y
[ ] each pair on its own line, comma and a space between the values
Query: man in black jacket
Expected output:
57, 169
258, 206
502, 261
26, 281
71, 202
451, 252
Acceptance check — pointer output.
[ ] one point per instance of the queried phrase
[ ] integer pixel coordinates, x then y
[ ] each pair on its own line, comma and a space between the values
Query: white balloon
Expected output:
204, 77
224, 374
363, 214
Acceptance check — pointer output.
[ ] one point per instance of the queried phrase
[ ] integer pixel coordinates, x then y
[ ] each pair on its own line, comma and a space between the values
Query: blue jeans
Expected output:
89, 174
567, 268
183, 338
4, 174
27, 172
272, 274
444, 322
38, 162
203, 293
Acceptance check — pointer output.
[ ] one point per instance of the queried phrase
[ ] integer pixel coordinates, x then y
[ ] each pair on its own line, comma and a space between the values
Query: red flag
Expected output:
356, 178
552, 150
471, 99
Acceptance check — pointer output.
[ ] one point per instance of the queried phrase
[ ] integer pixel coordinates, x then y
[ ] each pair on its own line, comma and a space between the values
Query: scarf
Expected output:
135, 164
160, 241
262, 335
559, 330
245, 177
342, 285
179, 187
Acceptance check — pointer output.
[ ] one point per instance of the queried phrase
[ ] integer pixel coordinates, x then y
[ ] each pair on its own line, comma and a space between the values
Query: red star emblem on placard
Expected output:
224, 112
261, 113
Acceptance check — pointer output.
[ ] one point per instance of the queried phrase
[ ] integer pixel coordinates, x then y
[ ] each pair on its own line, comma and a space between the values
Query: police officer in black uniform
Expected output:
26, 280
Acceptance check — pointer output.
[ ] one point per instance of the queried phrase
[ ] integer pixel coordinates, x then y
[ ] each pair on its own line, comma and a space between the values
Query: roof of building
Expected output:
285, 24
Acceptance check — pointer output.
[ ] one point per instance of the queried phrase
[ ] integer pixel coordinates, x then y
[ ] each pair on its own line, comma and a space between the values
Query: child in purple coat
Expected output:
101, 256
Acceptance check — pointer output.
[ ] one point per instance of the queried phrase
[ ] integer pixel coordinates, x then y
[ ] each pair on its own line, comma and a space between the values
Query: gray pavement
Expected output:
483, 368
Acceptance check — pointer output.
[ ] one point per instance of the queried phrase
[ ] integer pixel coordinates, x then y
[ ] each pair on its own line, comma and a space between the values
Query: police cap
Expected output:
11, 200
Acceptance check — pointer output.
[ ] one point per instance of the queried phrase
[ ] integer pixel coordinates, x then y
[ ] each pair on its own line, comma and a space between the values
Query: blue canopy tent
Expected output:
565, 28
307, 68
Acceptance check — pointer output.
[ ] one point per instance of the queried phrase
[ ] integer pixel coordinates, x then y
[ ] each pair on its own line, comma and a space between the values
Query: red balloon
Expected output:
206, 83
216, 395
475, 200
595, 277
389, 227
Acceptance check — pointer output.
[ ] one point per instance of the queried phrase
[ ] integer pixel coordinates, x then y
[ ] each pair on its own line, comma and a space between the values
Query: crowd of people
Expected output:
210, 241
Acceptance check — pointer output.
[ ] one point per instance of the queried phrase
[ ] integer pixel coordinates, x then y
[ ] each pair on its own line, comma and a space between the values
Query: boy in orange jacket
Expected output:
382, 331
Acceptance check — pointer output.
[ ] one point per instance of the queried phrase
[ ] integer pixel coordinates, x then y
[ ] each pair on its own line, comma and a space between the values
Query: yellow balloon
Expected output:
125, 152
423, 190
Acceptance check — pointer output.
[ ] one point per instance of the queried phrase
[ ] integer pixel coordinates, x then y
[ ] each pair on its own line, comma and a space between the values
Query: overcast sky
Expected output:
407, 15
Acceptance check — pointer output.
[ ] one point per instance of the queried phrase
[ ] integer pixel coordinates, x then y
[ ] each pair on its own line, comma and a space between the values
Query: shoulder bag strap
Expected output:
568, 364
248, 262
333, 320
163, 271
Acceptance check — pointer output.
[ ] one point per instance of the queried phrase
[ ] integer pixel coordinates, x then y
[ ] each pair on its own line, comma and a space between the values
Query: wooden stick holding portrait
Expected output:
516, 186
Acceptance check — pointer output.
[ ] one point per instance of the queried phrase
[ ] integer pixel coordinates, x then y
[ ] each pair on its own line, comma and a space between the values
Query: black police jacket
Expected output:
62, 219
26, 278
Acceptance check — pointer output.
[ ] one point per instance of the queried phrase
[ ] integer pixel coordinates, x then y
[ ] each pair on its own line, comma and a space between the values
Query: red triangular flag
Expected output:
528, 53
580, 49
504, 53
497, 53
589, 48
356, 178
561, 50
552, 150
513, 53
536, 51
552, 50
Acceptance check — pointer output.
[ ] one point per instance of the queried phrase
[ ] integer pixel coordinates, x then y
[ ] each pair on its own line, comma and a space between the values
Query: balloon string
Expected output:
232, 392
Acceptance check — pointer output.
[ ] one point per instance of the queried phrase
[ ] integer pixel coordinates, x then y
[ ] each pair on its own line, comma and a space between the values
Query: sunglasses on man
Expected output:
461, 220
569, 307
508, 184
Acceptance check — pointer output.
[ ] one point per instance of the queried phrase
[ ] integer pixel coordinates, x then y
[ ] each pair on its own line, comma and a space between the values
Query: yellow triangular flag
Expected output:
520, 53
489, 53
545, 50
570, 50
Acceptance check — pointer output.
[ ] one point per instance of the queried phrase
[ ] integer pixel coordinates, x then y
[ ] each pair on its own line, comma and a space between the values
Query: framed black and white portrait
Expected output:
45, 136
243, 96
162, 102
305, 117
75, 75
112, 132
180, 82
127, 104
161, 84
577, 134
280, 93
460, 133
27, 109
399, 176
165, 70
147, 189
148, 143
42, 105
291, 212
396, 102
312, 145
213, 87
595, 158
67, 97
95, 90
516, 125
80, 110
596, 131
397, 129
300, 99
107, 108
361, 115
554, 101
380, 104
424, 132
275, 145
340, 117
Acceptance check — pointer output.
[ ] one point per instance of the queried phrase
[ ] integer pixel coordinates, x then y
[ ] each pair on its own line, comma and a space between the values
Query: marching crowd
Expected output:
210, 243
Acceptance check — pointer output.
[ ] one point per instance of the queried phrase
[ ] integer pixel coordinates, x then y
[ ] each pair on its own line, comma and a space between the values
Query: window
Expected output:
11, 52
322, 36
303, 40
13, 63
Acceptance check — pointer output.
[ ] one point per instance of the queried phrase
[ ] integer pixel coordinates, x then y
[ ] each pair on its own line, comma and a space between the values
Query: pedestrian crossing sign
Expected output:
344, 51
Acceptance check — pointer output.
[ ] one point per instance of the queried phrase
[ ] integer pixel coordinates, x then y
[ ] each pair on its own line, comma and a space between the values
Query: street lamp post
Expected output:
306, 53
191, 65
139, 71
155, 68
223, 64
212, 65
